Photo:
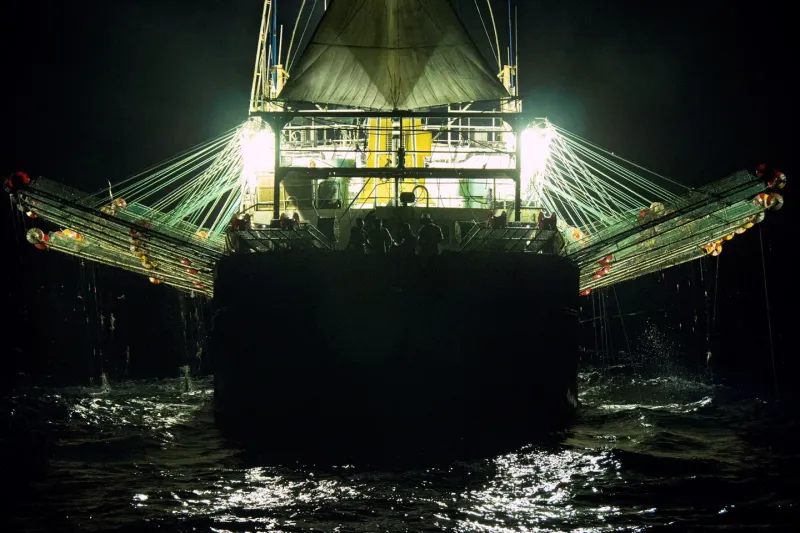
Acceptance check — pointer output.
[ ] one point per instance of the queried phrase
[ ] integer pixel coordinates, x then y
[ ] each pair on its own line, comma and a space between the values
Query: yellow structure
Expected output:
383, 144
512, 105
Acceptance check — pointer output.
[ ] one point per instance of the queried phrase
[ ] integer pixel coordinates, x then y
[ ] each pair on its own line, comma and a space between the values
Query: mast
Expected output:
257, 93
516, 52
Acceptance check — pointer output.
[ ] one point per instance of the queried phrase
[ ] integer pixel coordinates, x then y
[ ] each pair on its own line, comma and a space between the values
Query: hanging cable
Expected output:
769, 315
716, 285
627, 343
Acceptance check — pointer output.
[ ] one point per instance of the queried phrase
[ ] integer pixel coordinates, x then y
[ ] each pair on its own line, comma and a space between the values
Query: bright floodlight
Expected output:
535, 149
258, 153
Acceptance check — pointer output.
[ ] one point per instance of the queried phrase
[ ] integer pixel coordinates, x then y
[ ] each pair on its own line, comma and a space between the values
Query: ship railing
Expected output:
514, 237
302, 237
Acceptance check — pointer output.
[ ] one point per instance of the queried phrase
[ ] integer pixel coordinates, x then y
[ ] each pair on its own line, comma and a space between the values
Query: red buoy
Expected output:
606, 260
18, 180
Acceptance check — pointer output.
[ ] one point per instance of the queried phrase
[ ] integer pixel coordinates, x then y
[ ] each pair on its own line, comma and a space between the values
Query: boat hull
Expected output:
376, 348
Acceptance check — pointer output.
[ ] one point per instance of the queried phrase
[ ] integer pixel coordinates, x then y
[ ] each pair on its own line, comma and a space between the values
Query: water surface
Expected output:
646, 455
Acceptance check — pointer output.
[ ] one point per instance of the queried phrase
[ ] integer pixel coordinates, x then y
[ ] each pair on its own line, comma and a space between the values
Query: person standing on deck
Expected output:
356, 242
379, 240
429, 236
407, 242
231, 239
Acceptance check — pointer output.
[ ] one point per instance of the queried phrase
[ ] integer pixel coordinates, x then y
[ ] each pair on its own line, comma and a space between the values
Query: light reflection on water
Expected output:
645, 453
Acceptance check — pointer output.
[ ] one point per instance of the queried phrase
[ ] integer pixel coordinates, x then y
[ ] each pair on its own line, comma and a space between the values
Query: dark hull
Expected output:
459, 346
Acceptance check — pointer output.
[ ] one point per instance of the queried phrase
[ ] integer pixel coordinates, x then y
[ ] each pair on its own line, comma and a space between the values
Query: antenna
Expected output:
275, 42
258, 92
280, 47
510, 39
516, 49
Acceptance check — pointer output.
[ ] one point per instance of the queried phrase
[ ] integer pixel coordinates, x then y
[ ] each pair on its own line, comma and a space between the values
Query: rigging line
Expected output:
217, 172
622, 173
615, 167
496, 36
144, 189
623, 192
571, 159
202, 146
641, 182
486, 30
568, 159
584, 211
769, 317
294, 32
302, 36
150, 185
568, 133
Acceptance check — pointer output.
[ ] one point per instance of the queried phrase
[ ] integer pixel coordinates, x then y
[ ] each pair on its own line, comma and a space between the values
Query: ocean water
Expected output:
658, 454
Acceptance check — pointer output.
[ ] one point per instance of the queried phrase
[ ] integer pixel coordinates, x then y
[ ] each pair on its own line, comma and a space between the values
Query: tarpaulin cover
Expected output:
391, 54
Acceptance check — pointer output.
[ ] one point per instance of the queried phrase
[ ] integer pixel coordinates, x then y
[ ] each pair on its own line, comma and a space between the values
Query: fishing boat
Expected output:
392, 113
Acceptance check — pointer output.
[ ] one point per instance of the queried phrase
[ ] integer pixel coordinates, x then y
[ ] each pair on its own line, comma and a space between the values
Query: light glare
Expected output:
258, 154
535, 153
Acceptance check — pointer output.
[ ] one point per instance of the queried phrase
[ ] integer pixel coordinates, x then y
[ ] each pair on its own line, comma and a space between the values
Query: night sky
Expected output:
693, 90
103, 89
